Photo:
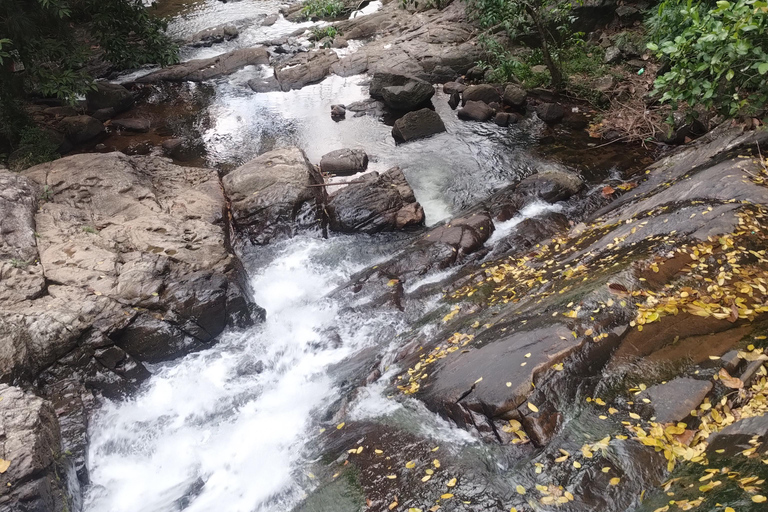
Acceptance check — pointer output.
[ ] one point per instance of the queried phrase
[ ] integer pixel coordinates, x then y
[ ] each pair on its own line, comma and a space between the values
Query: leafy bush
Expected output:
324, 9
34, 148
549, 20
321, 33
717, 53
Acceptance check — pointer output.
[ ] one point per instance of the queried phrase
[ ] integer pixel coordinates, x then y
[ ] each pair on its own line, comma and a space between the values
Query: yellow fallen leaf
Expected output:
391, 477
4, 465
340, 426
509, 384
759, 498
532, 407
436, 463
392, 505
410, 464
451, 482
426, 478
615, 481
446, 496
378, 452
520, 489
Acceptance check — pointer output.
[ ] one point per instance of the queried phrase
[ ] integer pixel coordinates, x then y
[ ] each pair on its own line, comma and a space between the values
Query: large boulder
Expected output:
268, 192
108, 95
409, 96
117, 250
551, 185
383, 203
199, 70
483, 92
476, 111
380, 80
132, 124
416, 125
550, 112
80, 129
344, 162
35, 477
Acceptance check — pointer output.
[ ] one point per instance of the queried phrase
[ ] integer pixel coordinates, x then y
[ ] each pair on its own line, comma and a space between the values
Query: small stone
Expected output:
476, 111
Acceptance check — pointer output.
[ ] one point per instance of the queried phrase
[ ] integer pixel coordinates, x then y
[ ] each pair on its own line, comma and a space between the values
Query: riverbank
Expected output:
496, 317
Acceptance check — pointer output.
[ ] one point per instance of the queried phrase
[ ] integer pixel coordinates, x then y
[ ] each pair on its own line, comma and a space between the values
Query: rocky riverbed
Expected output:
349, 275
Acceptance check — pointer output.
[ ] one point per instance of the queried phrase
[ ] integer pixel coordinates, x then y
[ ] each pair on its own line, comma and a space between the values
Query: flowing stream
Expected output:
227, 428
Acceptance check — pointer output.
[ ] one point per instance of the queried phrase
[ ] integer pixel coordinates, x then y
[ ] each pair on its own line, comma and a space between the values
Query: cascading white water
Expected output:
211, 417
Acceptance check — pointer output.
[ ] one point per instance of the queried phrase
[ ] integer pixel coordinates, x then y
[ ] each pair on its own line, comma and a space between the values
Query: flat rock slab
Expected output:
736, 438
456, 378
199, 70
676, 399
137, 125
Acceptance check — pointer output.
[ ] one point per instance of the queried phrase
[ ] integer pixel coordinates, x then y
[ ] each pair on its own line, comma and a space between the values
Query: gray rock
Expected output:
338, 112
214, 35
674, 401
138, 125
109, 95
381, 80
505, 119
199, 70
550, 112
737, 437
551, 185
514, 96
410, 96
344, 162
305, 68
483, 92
31, 442
451, 87
268, 84
270, 20
80, 129
476, 111
540, 69
416, 125
384, 203
104, 114
604, 83
267, 193
454, 100
612, 54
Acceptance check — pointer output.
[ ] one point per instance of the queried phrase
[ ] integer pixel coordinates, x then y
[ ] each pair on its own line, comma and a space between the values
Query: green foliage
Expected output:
18, 263
717, 53
549, 20
321, 33
34, 148
324, 9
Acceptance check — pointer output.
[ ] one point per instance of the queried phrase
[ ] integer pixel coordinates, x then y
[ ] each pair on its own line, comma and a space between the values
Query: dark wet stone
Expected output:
551, 185
454, 100
409, 96
104, 114
338, 112
505, 119
674, 401
214, 35
383, 203
514, 96
80, 129
109, 95
344, 162
476, 111
452, 87
381, 80
742, 435
268, 84
483, 92
416, 125
550, 112
199, 70
137, 125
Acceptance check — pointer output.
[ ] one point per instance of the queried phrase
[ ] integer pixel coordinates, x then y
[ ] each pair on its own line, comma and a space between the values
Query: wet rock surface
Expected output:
417, 125
205, 69
30, 444
268, 193
383, 203
344, 162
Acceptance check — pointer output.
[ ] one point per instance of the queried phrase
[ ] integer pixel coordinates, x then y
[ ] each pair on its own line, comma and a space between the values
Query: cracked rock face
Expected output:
108, 262
30, 445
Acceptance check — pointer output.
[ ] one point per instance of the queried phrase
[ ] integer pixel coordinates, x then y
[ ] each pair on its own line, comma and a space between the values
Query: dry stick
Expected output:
338, 183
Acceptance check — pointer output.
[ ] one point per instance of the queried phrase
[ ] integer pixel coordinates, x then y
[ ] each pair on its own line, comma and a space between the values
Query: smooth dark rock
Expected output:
476, 111
109, 95
550, 112
483, 92
344, 162
407, 97
338, 112
80, 129
383, 203
551, 185
416, 125
514, 96
451, 87
737, 437
104, 114
214, 35
674, 401
268, 84
381, 80
138, 125
505, 119
454, 100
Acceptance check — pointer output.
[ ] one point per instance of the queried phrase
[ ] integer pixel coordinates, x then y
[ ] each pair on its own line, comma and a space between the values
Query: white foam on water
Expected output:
203, 420
534, 209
